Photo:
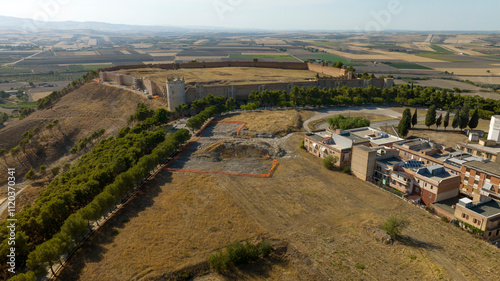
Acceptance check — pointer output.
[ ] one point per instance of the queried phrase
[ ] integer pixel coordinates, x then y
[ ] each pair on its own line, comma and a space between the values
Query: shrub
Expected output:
346, 170
238, 253
43, 168
360, 266
265, 248
55, 170
302, 145
217, 261
30, 173
329, 161
395, 225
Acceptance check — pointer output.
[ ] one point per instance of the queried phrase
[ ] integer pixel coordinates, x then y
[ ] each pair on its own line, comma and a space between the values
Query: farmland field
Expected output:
406, 65
277, 57
334, 58
440, 57
440, 49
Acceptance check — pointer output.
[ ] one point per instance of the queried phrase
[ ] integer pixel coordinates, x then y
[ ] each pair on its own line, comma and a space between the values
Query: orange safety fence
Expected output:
275, 162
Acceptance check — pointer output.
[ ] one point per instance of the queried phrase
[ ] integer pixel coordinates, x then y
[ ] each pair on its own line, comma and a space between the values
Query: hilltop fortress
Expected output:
176, 91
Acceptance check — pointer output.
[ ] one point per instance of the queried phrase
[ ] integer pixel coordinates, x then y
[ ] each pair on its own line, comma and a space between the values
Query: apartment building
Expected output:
482, 213
477, 176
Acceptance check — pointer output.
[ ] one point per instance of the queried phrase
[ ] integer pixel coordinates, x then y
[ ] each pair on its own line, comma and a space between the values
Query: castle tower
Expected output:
176, 92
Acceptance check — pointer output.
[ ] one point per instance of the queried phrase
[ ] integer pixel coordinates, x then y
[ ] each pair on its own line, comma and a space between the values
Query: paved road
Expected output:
13, 63
19, 188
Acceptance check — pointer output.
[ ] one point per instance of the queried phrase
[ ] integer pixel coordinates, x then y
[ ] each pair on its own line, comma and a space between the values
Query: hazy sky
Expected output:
362, 15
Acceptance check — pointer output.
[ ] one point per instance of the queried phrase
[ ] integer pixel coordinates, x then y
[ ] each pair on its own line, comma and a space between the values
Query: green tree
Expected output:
439, 121
230, 104
45, 255
456, 119
446, 120
405, 123
414, 118
330, 161
351, 69
28, 276
430, 117
30, 173
161, 116
464, 117
474, 120
395, 225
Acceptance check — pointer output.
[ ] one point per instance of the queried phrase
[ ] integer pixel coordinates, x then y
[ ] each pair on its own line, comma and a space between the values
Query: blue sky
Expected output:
362, 15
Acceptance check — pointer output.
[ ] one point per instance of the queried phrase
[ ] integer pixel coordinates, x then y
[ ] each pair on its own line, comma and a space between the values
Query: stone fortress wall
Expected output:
339, 78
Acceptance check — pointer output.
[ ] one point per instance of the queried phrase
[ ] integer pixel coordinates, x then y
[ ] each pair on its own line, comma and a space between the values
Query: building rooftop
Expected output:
436, 173
488, 209
489, 149
390, 161
375, 136
330, 139
447, 205
459, 160
492, 168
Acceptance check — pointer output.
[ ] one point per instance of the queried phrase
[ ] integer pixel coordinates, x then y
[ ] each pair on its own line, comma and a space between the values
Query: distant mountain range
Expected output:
31, 25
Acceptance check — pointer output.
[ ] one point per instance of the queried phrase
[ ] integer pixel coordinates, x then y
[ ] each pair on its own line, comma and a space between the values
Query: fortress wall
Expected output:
281, 65
153, 88
241, 92
128, 80
326, 70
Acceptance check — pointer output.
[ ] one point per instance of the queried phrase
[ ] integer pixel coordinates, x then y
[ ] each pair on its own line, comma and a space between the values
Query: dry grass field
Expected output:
448, 137
327, 216
177, 220
283, 121
233, 75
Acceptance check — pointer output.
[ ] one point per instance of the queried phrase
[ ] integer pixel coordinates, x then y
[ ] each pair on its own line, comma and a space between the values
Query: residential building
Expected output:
477, 176
364, 158
482, 213
326, 142
486, 149
436, 184
339, 143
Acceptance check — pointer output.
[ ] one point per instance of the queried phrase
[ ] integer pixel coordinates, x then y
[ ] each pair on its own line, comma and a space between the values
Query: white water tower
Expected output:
494, 133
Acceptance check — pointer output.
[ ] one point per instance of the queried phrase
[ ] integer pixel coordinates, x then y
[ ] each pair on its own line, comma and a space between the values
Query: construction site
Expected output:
229, 148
